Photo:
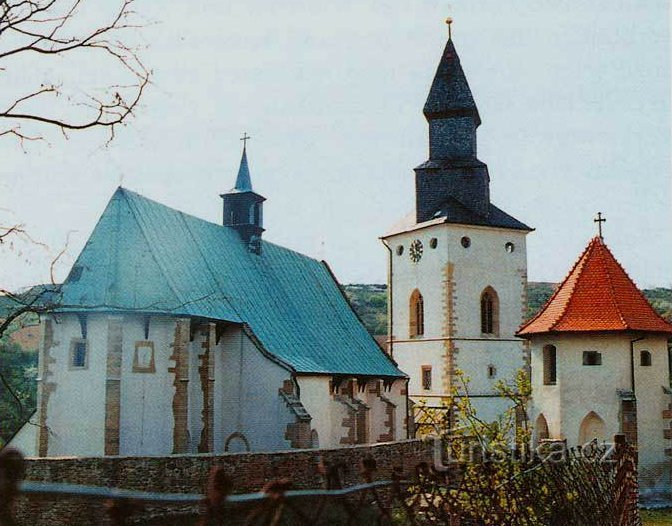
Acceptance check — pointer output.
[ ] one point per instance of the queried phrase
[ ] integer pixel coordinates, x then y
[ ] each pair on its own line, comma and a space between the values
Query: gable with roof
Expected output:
179, 335
600, 365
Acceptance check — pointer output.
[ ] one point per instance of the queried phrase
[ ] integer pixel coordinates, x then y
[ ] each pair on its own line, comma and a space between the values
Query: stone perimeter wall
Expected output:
189, 473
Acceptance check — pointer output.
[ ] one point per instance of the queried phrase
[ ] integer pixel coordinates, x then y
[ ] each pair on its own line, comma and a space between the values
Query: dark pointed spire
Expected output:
243, 181
450, 94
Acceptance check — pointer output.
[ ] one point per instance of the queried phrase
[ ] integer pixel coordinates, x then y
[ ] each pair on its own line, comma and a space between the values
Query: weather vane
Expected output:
599, 220
449, 21
245, 138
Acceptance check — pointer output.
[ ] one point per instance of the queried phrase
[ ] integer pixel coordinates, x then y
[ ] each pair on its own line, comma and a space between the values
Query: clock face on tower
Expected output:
415, 251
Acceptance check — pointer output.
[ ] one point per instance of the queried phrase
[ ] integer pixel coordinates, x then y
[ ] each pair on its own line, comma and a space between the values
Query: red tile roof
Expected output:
597, 295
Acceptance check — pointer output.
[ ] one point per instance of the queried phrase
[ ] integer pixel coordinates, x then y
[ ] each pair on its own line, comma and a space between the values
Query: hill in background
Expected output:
370, 302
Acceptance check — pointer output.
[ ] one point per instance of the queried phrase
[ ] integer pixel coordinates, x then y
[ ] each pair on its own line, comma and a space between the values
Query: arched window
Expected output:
592, 428
550, 365
489, 311
417, 314
645, 358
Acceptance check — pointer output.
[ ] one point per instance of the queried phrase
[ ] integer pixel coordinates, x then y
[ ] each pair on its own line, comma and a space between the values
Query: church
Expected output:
177, 335
457, 268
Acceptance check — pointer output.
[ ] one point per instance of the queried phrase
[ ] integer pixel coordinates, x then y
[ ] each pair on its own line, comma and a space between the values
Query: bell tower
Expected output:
243, 208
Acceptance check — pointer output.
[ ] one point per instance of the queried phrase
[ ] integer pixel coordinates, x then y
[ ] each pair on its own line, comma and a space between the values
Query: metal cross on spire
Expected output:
599, 220
245, 138
449, 21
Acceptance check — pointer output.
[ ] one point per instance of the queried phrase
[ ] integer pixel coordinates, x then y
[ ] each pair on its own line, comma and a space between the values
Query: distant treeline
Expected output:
370, 302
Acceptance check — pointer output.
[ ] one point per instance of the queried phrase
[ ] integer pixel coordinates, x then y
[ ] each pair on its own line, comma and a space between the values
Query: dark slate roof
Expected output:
146, 257
450, 93
243, 181
455, 212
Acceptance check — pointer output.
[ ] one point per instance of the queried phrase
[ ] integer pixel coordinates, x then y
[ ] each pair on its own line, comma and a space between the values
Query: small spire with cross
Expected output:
599, 220
449, 22
245, 138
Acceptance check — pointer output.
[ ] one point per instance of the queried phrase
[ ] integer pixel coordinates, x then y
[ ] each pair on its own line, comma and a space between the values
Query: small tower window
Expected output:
417, 314
550, 365
466, 242
433, 242
592, 358
509, 247
489, 311
400, 250
427, 377
492, 371
645, 359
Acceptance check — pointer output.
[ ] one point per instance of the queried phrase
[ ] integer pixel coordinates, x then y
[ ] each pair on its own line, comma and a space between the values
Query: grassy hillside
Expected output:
370, 302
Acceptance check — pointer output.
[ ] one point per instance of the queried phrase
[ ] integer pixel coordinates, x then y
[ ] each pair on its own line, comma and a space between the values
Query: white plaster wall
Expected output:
146, 426
412, 356
581, 389
196, 350
246, 395
426, 275
76, 409
484, 263
377, 410
327, 414
654, 465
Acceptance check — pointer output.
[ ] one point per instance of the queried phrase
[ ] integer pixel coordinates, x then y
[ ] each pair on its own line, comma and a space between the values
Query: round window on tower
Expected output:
466, 242
400, 250
433, 242
509, 247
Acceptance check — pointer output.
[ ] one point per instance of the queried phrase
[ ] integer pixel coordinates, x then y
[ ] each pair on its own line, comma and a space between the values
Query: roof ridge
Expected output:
610, 281
136, 216
639, 291
556, 292
221, 295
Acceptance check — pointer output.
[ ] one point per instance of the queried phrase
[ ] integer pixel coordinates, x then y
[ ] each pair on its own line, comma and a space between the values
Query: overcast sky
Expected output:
574, 97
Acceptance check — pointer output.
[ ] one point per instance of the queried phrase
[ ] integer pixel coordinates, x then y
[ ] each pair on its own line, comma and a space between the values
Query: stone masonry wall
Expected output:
188, 474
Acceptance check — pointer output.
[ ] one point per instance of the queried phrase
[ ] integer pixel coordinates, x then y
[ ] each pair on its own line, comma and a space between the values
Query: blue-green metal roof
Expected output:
146, 257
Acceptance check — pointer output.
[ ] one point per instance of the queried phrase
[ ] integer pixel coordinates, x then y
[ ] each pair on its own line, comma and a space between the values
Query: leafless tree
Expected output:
45, 35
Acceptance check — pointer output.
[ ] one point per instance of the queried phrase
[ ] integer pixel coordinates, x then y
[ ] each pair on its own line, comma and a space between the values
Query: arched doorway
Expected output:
540, 429
592, 427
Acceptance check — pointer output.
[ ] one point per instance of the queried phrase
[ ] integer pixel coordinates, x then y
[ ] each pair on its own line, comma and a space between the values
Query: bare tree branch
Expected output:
44, 28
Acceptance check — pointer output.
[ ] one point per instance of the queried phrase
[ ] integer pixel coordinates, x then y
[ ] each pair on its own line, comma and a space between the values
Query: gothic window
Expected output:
592, 358
645, 358
489, 311
417, 314
427, 377
550, 365
79, 354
